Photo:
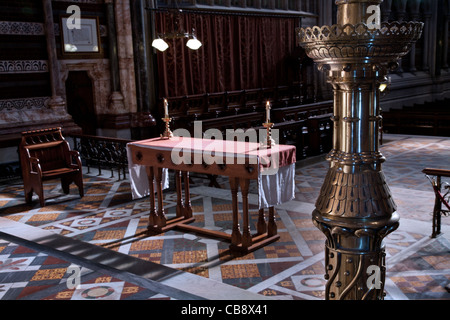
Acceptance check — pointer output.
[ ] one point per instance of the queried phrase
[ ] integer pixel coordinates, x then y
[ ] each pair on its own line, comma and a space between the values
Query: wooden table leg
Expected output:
180, 207
161, 217
152, 221
246, 235
272, 228
261, 227
187, 196
158, 221
236, 238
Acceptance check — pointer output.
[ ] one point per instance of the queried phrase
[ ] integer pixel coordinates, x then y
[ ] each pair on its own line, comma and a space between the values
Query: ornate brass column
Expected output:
355, 209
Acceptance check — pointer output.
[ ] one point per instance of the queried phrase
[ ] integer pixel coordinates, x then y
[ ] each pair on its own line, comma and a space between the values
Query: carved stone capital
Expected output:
116, 103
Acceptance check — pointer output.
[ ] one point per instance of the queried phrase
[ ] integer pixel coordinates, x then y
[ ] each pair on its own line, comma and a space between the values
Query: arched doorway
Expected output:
80, 101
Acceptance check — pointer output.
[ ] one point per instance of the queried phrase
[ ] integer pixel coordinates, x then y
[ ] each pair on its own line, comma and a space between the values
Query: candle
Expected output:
268, 111
166, 108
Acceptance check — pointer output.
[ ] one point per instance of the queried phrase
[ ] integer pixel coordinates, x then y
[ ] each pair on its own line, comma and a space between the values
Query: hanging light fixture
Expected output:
193, 43
160, 44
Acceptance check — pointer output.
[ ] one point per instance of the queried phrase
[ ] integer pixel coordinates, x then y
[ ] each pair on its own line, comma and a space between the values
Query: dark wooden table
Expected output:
241, 162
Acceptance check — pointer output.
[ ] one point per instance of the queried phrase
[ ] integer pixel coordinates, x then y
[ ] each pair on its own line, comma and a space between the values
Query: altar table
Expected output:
273, 168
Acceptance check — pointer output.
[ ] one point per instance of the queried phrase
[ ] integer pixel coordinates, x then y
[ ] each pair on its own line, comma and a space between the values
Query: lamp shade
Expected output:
194, 43
160, 44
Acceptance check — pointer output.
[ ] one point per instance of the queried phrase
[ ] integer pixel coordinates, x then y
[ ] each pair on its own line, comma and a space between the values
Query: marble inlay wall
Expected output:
35, 28
21, 28
23, 66
34, 72
98, 71
125, 54
18, 112
24, 104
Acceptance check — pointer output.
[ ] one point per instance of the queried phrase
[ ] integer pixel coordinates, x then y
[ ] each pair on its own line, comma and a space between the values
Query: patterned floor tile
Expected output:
291, 268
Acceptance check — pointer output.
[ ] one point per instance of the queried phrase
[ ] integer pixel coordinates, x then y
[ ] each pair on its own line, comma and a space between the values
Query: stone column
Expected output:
116, 99
415, 15
125, 54
427, 15
386, 8
56, 103
143, 121
445, 44
400, 6
446, 35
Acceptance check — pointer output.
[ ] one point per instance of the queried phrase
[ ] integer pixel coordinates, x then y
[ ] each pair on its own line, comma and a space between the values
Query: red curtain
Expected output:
238, 52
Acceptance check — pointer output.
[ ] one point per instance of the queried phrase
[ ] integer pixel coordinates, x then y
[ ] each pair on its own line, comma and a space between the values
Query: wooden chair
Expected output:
46, 155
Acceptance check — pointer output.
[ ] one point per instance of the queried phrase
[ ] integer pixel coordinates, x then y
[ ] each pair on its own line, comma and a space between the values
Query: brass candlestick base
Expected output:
167, 133
269, 142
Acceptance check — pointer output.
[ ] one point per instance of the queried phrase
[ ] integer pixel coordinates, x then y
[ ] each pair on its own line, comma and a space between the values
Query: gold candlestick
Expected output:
269, 143
167, 133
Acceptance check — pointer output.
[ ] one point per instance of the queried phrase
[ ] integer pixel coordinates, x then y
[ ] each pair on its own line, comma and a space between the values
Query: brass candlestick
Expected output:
355, 209
269, 142
168, 134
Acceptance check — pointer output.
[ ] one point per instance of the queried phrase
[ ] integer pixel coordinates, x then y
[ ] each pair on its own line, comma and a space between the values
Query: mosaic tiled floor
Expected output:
31, 275
291, 268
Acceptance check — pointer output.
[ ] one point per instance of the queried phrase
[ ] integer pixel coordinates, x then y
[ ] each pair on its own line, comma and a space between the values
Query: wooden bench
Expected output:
424, 122
227, 103
294, 133
302, 112
235, 122
308, 126
46, 155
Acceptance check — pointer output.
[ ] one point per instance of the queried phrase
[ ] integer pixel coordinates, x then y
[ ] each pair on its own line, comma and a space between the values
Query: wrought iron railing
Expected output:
102, 153
9, 172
